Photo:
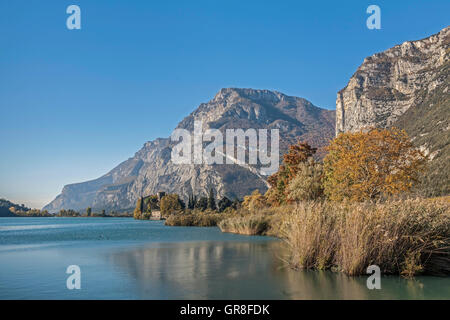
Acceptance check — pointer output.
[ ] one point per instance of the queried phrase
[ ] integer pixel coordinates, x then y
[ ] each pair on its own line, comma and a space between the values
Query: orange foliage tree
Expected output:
369, 165
254, 201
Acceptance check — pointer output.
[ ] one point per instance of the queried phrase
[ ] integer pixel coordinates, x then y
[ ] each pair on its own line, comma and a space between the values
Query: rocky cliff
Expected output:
406, 86
151, 169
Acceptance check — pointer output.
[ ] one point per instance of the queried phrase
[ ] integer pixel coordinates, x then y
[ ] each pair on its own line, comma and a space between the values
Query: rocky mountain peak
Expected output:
151, 169
390, 82
406, 86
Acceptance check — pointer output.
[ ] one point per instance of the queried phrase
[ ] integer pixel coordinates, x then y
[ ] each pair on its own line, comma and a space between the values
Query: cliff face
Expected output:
406, 86
151, 169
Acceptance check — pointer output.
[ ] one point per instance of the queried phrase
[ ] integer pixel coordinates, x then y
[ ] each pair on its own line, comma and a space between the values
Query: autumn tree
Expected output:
307, 183
254, 201
171, 204
297, 154
370, 165
139, 208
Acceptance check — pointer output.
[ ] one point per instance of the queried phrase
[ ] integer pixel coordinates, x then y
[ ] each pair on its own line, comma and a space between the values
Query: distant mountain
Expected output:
151, 170
5, 205
406, 86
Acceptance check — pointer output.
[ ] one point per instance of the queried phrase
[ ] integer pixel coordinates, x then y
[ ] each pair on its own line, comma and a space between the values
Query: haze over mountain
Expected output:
406, 86
151, 170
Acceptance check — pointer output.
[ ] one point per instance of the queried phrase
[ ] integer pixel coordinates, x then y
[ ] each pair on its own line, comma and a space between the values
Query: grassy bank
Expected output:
406, 237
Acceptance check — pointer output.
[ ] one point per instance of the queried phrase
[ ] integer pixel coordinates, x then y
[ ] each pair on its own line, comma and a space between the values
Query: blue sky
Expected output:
75, 103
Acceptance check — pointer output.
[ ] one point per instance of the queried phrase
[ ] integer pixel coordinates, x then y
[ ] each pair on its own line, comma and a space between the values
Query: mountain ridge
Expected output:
150, 169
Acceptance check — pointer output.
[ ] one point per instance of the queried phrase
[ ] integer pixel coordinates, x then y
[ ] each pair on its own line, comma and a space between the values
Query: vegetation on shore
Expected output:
255, 224
199, 211
194, 219
353, 210
406, 237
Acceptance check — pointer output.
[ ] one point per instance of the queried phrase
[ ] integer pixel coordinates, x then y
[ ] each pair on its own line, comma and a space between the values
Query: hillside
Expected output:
5, 205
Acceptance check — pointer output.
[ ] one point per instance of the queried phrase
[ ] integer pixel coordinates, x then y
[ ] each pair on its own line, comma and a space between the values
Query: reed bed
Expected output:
194, 219
406, 237
252, 224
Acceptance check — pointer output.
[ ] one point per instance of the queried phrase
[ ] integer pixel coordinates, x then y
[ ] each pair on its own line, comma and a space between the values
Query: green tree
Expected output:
211, 200
191, 202
88, 211
202, 204
224, 203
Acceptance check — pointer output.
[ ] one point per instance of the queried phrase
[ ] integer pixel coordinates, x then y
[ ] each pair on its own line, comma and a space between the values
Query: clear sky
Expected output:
75, 103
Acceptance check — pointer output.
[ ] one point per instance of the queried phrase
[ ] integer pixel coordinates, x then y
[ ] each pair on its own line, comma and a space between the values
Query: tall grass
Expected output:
247, 224
194, 219
405, 237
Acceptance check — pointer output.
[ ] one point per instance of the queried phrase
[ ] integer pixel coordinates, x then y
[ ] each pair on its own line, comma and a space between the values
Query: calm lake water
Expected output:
121, 258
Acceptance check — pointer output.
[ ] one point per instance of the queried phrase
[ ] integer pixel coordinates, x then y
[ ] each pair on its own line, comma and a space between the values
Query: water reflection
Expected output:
249, 270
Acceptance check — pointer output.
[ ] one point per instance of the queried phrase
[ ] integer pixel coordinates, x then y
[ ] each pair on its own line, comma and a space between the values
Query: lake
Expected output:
122, 258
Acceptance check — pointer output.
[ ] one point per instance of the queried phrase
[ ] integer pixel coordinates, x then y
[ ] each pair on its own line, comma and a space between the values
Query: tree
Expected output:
138, 210
190, 205
152, 203
307, 184
224, 203
297, 154
202, 204
369, 165
254, 201
171, 204
211, 200
103, 213
88, 211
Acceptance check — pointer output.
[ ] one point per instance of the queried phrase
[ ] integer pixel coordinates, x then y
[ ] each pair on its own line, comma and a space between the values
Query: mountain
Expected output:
151, 169
407, 87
